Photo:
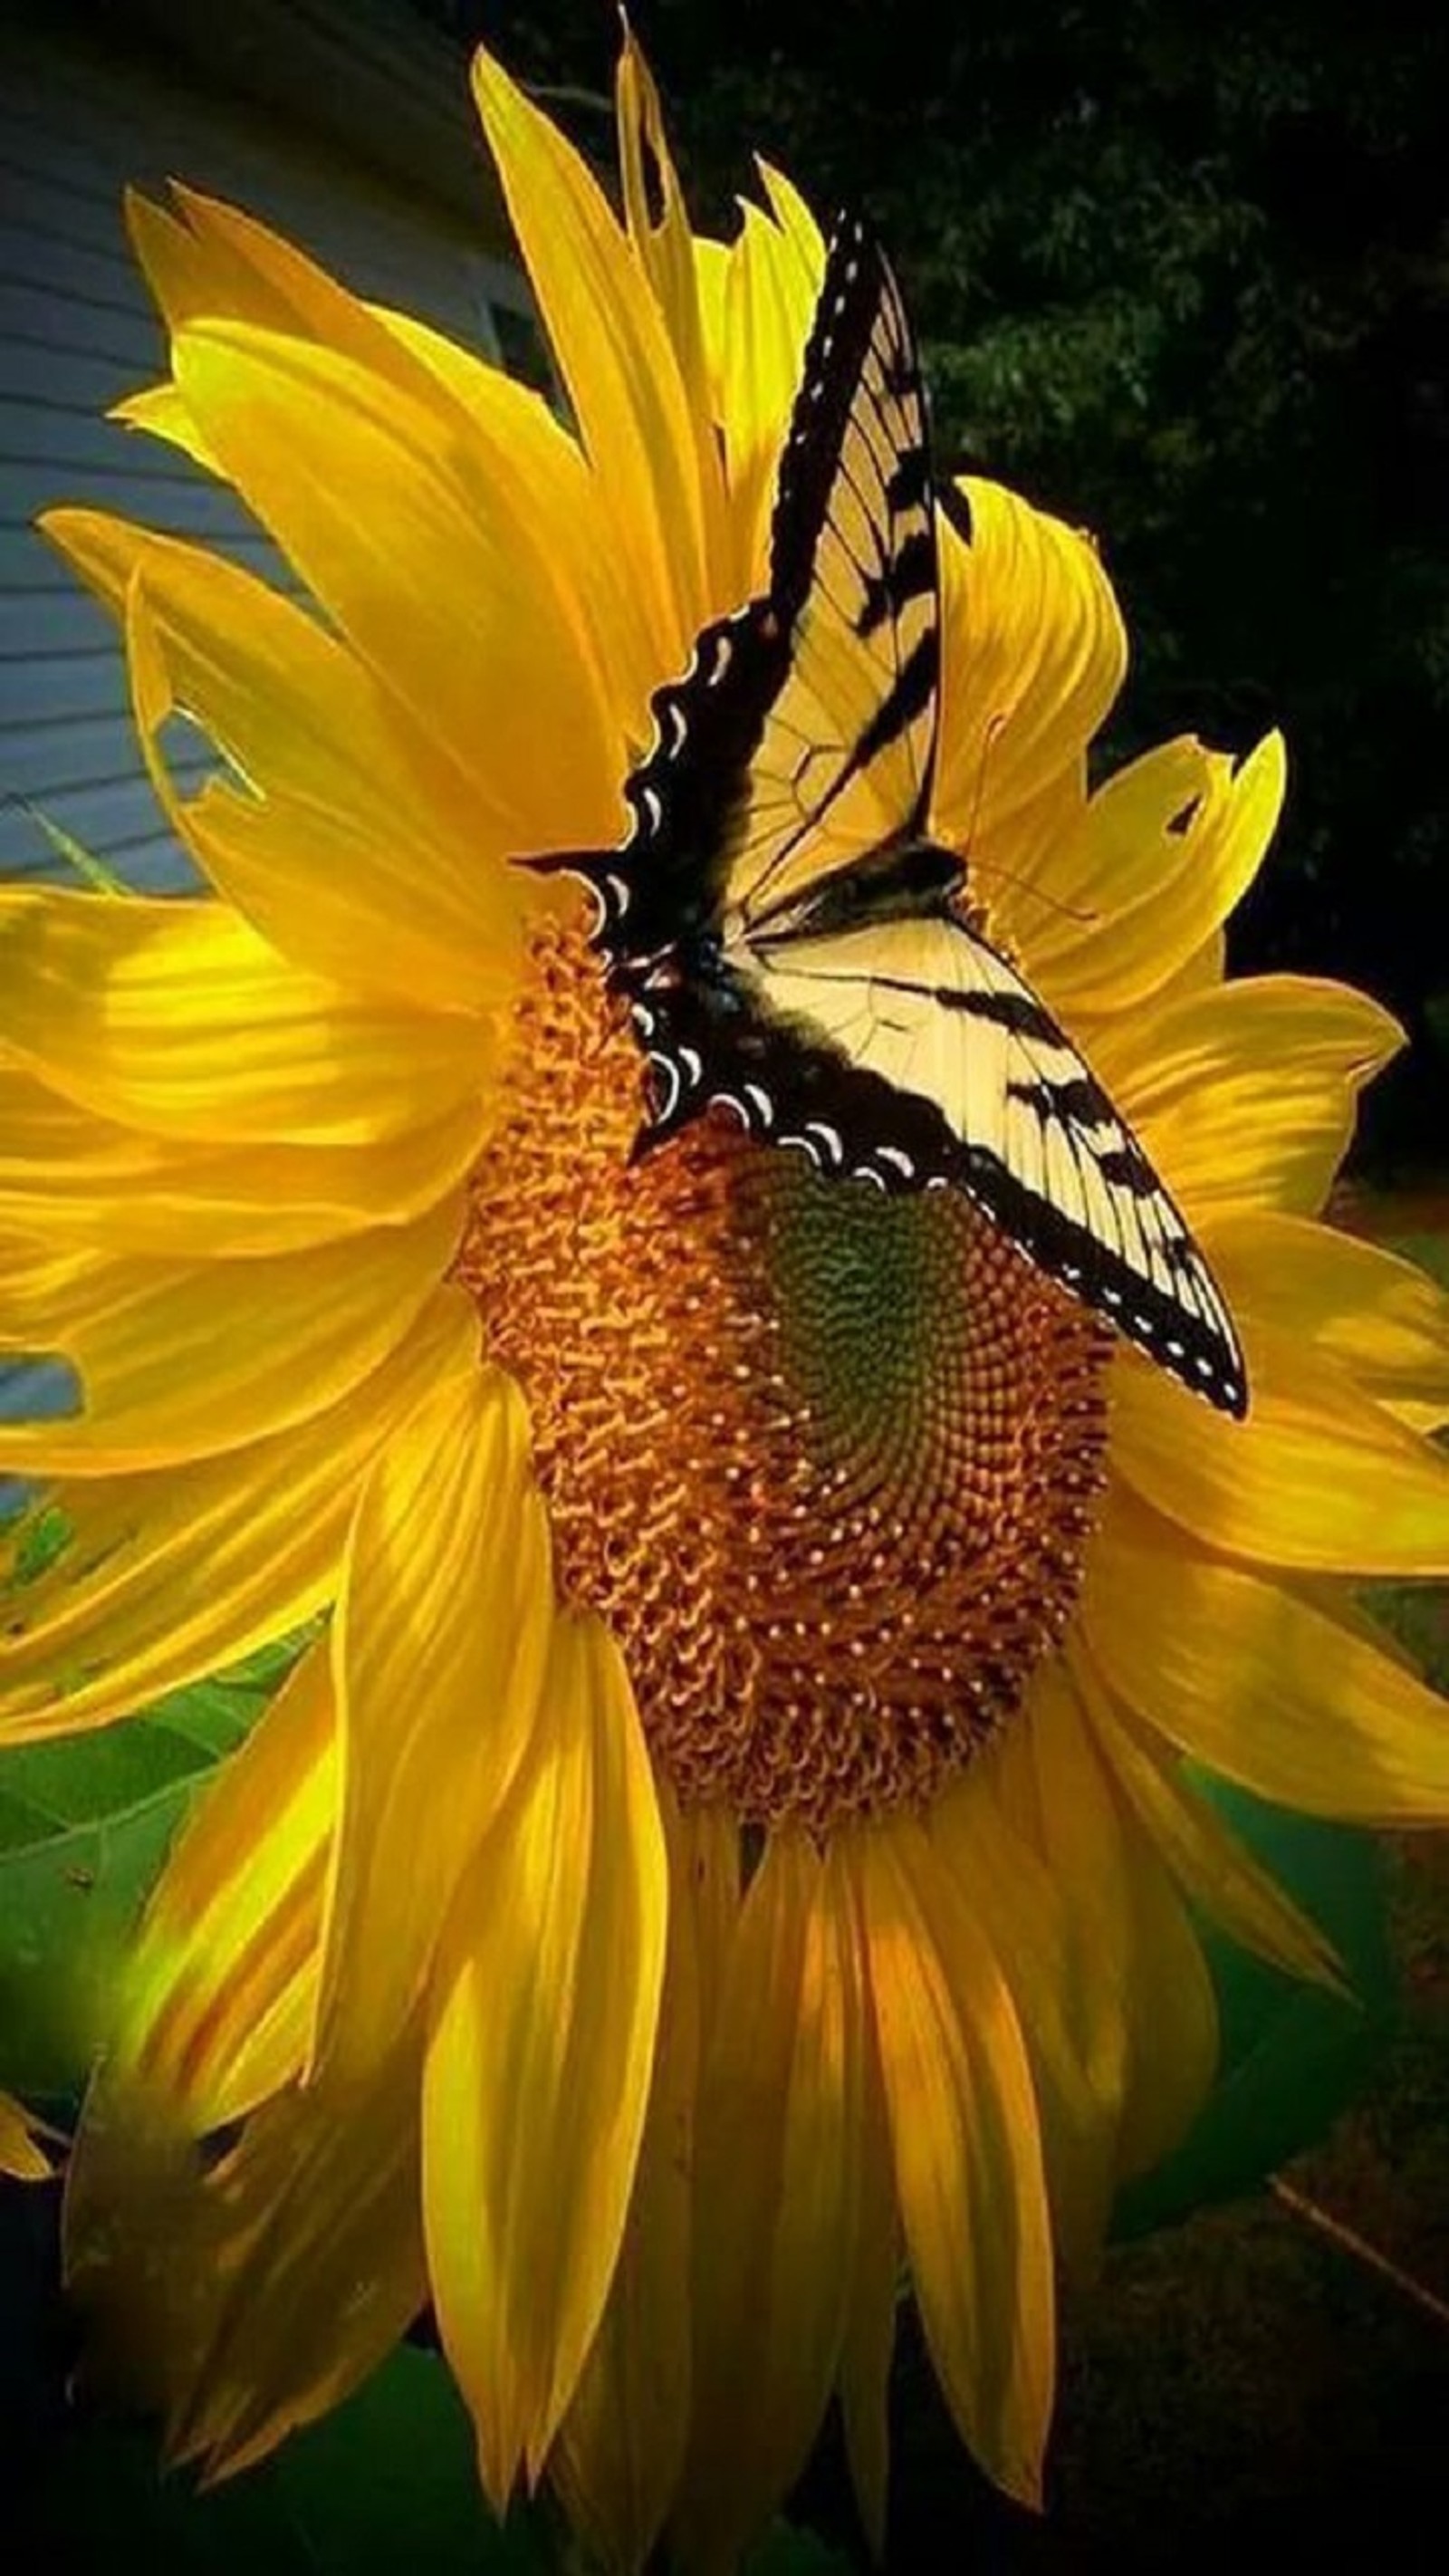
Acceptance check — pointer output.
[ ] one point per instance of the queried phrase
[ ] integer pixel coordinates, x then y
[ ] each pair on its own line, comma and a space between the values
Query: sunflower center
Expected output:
824, 1460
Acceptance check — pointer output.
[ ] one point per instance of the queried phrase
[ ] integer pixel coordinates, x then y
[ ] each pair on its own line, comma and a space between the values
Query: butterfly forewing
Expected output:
845, 754
802, 733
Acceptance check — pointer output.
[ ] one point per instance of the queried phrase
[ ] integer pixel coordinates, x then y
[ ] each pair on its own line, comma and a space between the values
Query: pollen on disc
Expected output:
826, 1461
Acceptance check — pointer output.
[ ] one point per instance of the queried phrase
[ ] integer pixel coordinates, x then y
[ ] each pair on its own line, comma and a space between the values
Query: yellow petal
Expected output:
1415, 1412
327, 2286
711, 286
1048, 1786
247, 2295
175, 1016
1318, 1476
1033, 656
771, 285
447, 593
1331, 1595
545, 2004
803, 236
85, 1183
24, 2155
1244, 1095
1124, 844
967, 2153
530, 456
161, 413
1384, 1319
711, 1837
183, 1362
222, 262
614, 354
618, 2457
1175, 2041
873, 2297
210, 258
659, 231
1142, 1998
1207, 1860
220, 1990
369, 870
440, 1641
1200, 973
167, 1577
1261, 1685
1027, 1921
1160, 865
777, 2161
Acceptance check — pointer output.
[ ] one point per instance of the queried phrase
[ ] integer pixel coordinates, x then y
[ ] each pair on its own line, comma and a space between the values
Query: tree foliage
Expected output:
1181, 271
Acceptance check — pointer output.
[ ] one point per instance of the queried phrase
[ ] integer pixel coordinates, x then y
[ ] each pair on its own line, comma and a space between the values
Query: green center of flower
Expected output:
873, 1332
826, 1461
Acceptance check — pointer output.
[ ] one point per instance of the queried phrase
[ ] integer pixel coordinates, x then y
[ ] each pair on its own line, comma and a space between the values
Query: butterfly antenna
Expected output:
994, 725
990, 867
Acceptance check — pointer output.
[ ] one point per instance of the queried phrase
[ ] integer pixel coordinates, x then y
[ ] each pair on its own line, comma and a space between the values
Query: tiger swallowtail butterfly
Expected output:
786, 958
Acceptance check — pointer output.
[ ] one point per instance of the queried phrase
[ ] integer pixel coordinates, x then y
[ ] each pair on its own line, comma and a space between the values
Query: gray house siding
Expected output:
78, 122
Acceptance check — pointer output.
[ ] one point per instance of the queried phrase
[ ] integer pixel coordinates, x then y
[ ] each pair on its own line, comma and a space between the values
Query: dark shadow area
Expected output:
1182, 275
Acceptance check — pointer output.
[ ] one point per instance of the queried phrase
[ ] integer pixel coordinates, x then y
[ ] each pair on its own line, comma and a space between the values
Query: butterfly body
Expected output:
903, 880
793, 945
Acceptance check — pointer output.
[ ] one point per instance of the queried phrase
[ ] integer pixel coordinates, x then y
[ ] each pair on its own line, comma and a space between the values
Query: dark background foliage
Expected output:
1181, 271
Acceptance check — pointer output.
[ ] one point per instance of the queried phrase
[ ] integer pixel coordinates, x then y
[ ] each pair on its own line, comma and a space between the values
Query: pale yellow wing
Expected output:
844, 757
927, 1062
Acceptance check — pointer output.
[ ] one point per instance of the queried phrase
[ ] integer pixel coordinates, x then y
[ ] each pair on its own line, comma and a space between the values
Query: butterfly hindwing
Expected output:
910, 1054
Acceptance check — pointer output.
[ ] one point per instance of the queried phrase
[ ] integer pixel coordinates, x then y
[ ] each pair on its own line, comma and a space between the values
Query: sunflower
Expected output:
725, 1838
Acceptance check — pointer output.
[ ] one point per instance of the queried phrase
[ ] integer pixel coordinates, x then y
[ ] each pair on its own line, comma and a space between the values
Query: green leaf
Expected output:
1429, 1250
93, 871
1292, 2055
385, 2482
69, 1898
389, 2481
38, 1542
1418, 1615
85, 1824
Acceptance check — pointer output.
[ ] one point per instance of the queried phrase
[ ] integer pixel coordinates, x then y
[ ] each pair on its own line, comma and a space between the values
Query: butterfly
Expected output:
789, 940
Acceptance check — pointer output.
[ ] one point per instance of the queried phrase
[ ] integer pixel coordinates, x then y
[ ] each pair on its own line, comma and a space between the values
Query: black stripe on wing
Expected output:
855, 292
909, 695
